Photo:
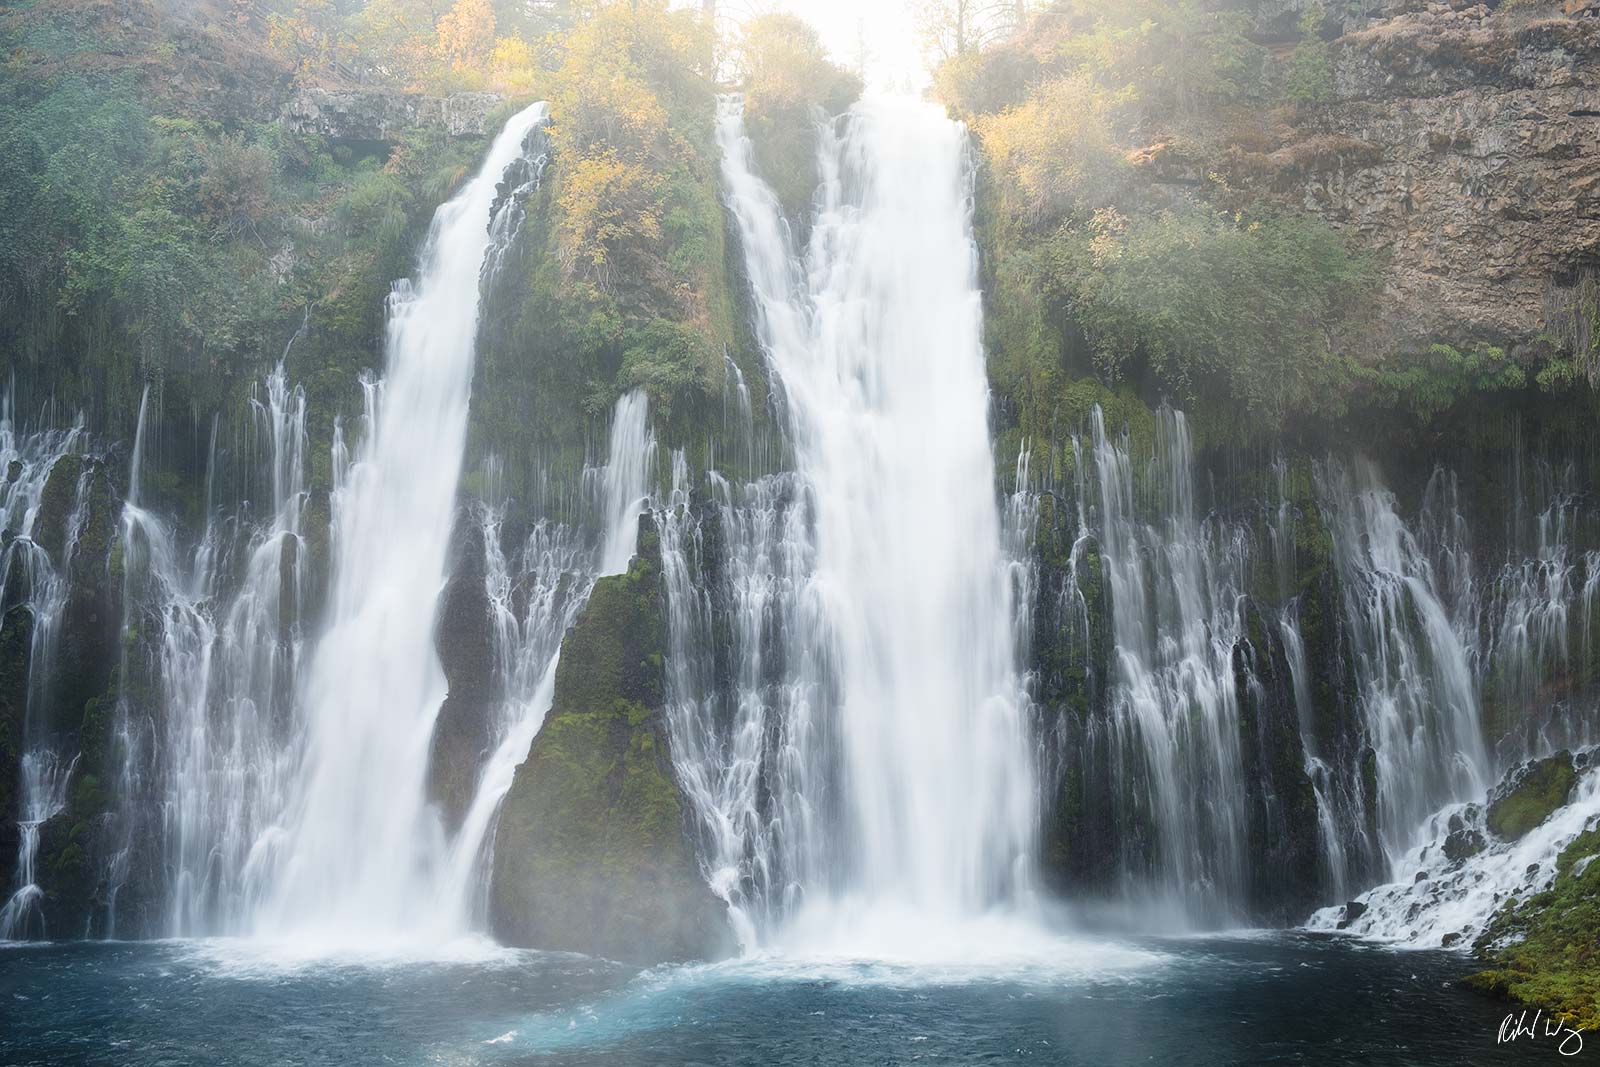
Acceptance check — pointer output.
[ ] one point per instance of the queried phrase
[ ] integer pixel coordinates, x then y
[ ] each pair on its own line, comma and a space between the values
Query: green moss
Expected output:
1537, 791
1545, 951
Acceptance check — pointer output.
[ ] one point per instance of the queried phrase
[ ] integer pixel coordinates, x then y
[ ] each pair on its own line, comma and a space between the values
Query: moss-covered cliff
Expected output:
593, 852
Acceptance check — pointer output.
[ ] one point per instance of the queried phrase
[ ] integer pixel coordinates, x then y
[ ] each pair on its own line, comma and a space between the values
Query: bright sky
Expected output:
894, 51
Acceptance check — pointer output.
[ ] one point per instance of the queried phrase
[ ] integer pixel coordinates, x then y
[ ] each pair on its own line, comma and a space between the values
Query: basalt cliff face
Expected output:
1465, 144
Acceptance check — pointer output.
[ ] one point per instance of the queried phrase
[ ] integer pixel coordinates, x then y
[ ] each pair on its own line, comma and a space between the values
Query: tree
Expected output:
955, 28
466, 34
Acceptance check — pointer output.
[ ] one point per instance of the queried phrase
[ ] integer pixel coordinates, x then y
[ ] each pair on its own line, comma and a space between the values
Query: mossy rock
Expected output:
56, 500
1530, 795
1463, 844
593, 852
465, 639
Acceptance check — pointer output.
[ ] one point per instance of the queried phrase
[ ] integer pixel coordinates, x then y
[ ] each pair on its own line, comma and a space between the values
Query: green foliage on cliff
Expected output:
622, 275
157, 232
1125, 244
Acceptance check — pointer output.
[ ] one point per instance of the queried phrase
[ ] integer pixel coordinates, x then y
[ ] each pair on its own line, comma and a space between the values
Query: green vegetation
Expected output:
1545, 951
173, 234
1137, 243
1537, 791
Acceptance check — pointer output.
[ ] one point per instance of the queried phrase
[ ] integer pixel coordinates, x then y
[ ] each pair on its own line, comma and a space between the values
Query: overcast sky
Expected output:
894, 53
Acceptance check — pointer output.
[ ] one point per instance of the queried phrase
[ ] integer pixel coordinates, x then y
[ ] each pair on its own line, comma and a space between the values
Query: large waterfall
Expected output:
877, 696
1225, 692
353, 856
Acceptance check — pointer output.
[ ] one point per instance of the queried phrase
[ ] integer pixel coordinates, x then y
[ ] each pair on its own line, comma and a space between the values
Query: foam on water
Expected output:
1460, 898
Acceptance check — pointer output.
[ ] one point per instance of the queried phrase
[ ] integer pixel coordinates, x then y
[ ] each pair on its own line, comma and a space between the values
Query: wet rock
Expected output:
1422, 876
16, 646
1450, 939
1463, 844
1530, 794
1353, 910
465, 639
1281, 804
88, 649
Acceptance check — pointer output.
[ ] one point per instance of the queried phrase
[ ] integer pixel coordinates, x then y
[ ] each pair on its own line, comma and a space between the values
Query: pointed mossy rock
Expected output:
593, 852
1530, 795
465, 639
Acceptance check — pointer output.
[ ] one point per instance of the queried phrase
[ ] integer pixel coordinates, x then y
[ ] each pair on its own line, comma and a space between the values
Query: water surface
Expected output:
1265, 999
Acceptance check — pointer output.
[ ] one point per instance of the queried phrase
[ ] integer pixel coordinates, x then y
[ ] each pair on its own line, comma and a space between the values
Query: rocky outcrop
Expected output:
380, 116
1465, 147
593, 853
465, 639
1530, 794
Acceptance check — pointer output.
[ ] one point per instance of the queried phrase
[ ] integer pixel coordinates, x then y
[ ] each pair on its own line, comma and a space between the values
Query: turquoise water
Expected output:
1205, 1001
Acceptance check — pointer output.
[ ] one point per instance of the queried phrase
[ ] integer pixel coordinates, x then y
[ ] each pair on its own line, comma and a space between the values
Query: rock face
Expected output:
593, 853
466, 643
16, 646
372, 116
88, 642
1281, 806
1464, 146
1530, 794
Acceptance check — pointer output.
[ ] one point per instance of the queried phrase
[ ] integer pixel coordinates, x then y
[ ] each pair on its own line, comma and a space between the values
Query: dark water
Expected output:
1210, 1001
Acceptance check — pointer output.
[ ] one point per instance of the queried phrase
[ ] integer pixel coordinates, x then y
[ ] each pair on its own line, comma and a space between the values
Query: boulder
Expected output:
1463, 844
1530, 794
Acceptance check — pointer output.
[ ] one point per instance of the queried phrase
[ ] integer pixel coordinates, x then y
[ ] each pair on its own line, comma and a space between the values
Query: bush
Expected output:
1232, 309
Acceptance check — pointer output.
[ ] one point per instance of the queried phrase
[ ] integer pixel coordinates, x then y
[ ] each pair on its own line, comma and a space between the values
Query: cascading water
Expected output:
554, 576
354, 854
1175, 586
228, 682
901, 777
34, 584
1417, 692
624, 484
1462, 674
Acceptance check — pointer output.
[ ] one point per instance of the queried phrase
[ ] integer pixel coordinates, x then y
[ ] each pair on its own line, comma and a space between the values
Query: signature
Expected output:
1517, 1025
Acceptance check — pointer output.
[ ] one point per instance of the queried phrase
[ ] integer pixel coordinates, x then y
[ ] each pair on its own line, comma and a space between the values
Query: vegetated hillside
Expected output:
1287, 210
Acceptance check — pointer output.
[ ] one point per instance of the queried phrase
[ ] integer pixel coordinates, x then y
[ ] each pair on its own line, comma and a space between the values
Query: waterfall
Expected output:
624, 483
533, 604
1417, 691
228, 678
876, 697
354, 851
1464, 669
33, 583
1175, 585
